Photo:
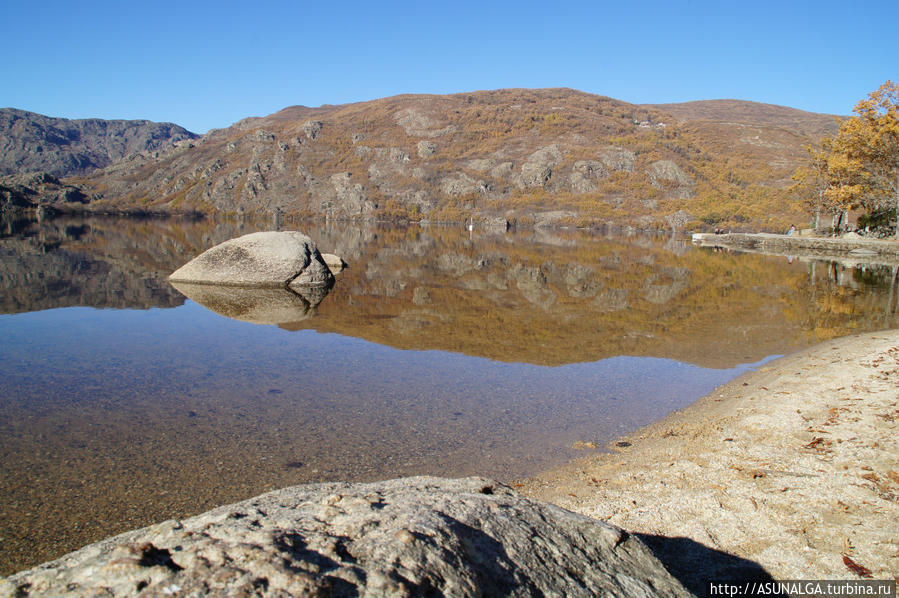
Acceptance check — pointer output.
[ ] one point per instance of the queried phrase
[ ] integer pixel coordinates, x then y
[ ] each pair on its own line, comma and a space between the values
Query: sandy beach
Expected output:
793, 468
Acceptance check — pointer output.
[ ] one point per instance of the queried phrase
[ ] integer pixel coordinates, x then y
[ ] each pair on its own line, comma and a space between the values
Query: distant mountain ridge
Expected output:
64, 147
753, 113
526, 156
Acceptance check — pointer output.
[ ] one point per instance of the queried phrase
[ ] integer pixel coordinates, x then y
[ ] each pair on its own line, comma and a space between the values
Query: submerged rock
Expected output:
404, 537
264, 259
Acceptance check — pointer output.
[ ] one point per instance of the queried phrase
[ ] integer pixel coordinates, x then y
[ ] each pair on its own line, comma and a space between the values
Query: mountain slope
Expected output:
531, 156
753, 113
63, 147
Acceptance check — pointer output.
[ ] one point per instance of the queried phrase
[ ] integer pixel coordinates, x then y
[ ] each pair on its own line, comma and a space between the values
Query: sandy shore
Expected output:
791, 468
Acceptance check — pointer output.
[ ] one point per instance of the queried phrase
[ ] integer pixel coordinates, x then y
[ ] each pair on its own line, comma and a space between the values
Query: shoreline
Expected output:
847, 250
791, 467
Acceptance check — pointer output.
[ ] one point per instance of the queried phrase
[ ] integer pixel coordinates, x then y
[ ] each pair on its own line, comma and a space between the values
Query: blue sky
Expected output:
208, 64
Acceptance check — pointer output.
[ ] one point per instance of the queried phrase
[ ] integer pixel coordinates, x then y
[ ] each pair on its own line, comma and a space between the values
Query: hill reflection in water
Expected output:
434, 353
541, 297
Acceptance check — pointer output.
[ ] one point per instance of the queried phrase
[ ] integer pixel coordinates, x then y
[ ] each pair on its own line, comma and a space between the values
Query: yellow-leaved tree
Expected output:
812, 181
833, 182
873, 138
859, 167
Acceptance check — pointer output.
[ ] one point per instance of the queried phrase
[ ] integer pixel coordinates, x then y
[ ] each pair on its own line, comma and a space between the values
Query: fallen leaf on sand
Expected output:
859, 570
815, 442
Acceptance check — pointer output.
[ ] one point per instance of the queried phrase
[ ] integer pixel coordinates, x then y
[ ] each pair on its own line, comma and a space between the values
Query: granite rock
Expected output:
538, 169
665, 174
263, 259
334, 262
405, 537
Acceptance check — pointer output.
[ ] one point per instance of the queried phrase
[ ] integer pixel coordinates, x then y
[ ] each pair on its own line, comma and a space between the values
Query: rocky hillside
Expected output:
62, 147
529, 156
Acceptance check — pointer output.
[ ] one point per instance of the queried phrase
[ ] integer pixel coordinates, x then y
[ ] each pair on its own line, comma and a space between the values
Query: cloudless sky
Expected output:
208, 64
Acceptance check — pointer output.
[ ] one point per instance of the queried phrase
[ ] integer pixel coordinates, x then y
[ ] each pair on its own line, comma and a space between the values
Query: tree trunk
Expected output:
818, 205
897, 204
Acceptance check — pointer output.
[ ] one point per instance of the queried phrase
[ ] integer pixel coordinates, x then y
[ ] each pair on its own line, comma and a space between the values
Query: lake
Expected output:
438, 351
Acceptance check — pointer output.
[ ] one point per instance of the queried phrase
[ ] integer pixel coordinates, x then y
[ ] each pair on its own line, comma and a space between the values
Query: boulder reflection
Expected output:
279, 307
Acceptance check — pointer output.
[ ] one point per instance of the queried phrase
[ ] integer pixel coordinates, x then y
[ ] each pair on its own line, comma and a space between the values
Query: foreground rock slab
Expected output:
264, 259
404, 537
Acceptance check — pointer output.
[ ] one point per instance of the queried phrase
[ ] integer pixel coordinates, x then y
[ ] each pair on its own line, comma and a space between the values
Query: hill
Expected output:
62, 147
532, 157
739, 112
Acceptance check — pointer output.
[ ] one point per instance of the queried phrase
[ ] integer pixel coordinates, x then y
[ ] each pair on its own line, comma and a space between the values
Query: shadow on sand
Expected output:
697, 566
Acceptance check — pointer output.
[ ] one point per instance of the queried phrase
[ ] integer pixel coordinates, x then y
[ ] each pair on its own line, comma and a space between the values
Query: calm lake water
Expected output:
123, 403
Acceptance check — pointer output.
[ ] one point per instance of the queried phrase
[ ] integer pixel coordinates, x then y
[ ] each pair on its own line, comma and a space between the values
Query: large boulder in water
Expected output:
266, 259
405, 537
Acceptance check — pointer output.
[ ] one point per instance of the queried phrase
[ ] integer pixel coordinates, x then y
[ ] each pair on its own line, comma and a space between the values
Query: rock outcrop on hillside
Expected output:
667, 174
22, 194
405, 537
62, 147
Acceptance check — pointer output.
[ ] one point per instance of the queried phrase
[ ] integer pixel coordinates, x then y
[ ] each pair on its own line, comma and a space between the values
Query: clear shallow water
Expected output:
341, 406
433, 354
